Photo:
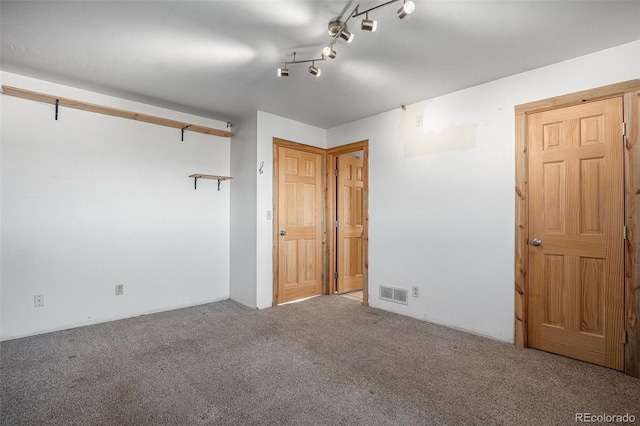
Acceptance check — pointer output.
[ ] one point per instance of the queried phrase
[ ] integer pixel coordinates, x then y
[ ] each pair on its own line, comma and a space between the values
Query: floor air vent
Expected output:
393, 294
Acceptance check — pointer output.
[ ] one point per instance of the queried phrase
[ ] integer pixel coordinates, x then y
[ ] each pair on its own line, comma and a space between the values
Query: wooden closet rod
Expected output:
85, 106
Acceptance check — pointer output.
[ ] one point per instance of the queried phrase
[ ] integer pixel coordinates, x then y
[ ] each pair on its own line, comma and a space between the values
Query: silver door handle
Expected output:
536, 242
283, 233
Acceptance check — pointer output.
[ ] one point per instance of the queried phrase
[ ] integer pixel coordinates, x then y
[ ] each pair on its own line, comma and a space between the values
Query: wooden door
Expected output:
300, 214
349, 190
576, 210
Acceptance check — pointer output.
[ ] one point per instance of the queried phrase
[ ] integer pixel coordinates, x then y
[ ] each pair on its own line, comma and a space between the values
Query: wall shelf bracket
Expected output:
214, 177
57, 104
183, 129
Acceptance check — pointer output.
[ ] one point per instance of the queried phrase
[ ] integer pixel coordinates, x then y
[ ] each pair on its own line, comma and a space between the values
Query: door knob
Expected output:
283, 233
536, 242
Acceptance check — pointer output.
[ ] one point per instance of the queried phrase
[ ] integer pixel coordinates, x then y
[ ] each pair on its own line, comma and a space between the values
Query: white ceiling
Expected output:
219, 58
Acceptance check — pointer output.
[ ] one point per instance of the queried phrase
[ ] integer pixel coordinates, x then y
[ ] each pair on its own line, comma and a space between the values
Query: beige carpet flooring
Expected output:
326, 361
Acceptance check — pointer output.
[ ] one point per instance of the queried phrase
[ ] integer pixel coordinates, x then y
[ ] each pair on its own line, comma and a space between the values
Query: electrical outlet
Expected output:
415, 291
418, 121
119, 289
38, 300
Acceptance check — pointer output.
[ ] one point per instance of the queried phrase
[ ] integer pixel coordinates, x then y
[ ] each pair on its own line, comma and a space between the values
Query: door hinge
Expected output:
624, 232
335, 275
624, 128
624, 337
336, 223
335, 172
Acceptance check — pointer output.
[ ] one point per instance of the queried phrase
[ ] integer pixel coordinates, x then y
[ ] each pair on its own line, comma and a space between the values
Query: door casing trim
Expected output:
630, 92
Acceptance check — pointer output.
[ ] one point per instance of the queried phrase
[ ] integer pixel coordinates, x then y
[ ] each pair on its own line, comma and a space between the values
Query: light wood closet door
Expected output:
300, 219
350, 227
576, 239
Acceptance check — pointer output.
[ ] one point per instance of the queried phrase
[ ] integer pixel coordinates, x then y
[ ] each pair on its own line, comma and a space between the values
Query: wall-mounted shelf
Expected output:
214, 177
85, 106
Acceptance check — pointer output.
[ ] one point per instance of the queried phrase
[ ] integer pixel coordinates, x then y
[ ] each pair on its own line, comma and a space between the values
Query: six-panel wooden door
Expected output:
349, 205
576, 238
300, 221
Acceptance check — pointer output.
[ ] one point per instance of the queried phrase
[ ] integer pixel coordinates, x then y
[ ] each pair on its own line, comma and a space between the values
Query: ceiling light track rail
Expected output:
295, 61
115, 112
364, 12
339, 29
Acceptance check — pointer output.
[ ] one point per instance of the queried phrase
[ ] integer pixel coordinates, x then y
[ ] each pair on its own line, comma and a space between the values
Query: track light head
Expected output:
346, 35
283, 72
313, 70
407, 9
328, 52
369, 24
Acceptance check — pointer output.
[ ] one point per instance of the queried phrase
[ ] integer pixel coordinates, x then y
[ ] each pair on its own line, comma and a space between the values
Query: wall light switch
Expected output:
268, 214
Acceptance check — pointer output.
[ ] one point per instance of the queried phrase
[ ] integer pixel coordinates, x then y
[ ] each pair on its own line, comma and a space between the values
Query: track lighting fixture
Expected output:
338, 28
313, 70
328, 52
369, 24
407, 8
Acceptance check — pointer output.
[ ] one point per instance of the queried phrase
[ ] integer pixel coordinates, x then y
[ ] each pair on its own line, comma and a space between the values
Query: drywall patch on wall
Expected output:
452, 139
430, 127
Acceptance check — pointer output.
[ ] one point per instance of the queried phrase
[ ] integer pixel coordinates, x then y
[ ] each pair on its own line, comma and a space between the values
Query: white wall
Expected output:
91, 201
270, 126
444, 221
244, 168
